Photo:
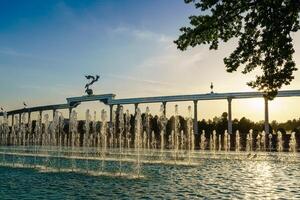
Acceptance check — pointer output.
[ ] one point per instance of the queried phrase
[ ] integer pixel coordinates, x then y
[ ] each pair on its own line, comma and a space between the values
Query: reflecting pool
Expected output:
219, 176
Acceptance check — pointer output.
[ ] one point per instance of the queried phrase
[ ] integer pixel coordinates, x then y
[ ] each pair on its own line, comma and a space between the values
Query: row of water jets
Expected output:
54, 134
115, 141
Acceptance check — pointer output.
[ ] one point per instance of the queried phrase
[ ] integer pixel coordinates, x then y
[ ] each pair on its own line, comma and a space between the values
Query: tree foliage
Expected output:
263, 28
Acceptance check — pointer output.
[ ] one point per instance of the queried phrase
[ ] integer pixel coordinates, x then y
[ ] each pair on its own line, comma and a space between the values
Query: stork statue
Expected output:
92, 79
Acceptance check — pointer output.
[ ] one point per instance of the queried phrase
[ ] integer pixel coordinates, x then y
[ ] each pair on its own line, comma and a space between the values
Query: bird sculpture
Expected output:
92, 79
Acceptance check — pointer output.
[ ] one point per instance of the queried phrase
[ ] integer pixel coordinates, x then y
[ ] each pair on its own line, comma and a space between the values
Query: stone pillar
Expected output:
136, 105
12, 120
41, 118
70, 112
53, 113
20, 118
117, 114
70, 134
118, 108
111, 113
266, 115
229, 116
195, 117
29, 117
165, 108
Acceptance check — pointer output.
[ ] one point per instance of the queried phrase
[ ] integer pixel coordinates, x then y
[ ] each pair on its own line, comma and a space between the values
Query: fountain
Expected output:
110, 148
137, 141
74, 137
103, 139
226, 141
220, 143
190, 134
279, 142
203, 141
162, 122
249, 141
263, 141
127, 129
237, 141
121, 130
270, 136
176, 133
86, 142
258, 142
292, 143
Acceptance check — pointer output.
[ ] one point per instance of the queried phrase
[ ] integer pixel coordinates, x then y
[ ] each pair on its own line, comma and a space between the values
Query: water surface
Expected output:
209, 179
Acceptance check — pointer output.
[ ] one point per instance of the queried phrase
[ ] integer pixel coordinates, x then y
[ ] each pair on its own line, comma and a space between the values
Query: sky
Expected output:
46, 48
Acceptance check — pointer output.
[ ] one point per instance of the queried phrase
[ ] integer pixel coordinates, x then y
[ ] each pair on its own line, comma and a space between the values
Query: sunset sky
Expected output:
46, 48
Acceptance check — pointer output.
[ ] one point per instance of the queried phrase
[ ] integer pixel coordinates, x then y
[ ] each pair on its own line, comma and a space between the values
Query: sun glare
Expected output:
256, 104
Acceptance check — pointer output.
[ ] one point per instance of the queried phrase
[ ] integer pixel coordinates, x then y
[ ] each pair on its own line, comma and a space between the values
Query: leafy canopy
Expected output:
263, 28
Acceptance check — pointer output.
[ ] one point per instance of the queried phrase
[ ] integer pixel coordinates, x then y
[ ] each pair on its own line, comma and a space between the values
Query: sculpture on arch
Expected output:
92, 79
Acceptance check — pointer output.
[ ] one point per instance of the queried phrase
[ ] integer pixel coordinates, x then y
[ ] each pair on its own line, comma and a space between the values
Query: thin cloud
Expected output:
130, 78
171, 57
12, 52
142, 34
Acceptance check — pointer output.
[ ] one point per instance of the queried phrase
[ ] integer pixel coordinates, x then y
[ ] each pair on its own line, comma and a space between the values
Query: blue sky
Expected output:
47, 46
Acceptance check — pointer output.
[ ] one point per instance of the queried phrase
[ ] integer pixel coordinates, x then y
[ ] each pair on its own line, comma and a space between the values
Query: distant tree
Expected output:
245, 125
264, 31
224, 116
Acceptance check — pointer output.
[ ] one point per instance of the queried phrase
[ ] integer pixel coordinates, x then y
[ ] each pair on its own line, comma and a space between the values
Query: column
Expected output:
70, 112
165, 108
266, 115
12, 120
118, 108
29, 117
110, 114
136, 105
195, 117
20, 118
69, 135
53, 113
41, 117
229, 116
